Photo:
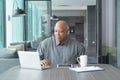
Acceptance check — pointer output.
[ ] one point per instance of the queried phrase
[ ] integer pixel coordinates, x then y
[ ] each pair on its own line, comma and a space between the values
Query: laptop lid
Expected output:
29, 59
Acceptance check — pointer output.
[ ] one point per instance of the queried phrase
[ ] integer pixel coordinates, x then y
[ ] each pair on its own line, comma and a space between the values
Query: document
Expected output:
87, 69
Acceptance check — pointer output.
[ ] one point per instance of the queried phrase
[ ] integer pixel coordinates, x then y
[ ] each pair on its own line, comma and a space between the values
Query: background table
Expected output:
16, 73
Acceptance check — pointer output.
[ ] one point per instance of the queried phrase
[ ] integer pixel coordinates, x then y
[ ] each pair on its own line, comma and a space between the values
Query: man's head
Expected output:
61, 30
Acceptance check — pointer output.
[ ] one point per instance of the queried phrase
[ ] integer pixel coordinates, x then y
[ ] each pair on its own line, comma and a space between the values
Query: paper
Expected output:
87, 69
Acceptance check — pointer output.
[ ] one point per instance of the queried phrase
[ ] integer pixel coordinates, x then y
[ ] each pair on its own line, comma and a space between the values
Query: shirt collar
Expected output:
58, 43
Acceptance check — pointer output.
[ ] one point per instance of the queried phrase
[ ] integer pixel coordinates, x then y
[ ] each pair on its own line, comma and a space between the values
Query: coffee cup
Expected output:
82, 60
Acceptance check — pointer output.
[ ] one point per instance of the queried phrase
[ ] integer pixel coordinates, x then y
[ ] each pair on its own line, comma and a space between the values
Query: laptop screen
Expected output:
29, 59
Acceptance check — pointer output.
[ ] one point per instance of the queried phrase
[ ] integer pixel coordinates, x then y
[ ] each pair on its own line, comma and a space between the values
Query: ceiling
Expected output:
66, 4
71, 4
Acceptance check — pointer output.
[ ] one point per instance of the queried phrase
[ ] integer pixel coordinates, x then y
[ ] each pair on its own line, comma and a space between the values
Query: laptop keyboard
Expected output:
45, 67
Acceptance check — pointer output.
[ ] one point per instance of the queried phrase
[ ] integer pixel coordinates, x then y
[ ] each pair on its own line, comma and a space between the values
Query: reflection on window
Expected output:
17, 24
37, 29
2, 35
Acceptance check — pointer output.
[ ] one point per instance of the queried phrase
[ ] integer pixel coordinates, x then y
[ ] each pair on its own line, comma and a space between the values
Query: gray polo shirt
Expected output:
57, 53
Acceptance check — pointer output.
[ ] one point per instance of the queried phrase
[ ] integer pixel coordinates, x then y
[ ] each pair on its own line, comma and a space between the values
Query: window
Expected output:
2, 26
37, 20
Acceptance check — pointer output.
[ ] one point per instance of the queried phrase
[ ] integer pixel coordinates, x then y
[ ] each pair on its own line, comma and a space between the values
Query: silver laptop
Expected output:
30, 60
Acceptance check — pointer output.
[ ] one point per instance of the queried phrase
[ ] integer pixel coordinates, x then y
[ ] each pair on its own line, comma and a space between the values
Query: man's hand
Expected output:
44, 62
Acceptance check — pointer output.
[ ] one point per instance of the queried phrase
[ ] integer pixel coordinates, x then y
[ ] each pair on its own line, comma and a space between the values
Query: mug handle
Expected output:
78, 60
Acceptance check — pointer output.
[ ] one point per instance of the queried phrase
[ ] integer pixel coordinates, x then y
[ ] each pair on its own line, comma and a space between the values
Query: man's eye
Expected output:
61, 31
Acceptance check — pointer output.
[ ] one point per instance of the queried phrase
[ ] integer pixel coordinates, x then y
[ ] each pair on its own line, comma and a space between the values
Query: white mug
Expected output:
82, 60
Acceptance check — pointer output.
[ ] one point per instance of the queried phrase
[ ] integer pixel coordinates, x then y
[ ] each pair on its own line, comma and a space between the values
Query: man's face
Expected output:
60, 33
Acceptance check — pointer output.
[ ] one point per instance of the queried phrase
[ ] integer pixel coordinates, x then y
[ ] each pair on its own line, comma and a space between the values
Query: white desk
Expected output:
16, 73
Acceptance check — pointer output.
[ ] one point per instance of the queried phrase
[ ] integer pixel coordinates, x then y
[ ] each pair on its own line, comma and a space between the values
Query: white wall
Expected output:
8, 21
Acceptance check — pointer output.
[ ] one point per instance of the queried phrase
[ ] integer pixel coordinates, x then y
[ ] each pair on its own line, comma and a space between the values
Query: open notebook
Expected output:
30, 60
87, 69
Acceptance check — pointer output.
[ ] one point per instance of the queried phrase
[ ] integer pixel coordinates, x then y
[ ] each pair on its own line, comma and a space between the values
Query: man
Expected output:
60, 49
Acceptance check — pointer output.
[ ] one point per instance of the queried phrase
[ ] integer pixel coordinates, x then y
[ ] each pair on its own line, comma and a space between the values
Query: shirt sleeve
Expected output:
41, 51
81, 50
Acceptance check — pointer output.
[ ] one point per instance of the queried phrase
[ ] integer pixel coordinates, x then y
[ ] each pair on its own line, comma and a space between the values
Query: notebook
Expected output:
87, 69
30, 60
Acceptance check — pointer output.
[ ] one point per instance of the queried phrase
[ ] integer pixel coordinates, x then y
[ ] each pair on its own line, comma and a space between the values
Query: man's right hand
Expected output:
45, 62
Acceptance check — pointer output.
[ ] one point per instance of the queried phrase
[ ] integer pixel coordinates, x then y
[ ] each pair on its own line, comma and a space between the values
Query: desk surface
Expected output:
16, 73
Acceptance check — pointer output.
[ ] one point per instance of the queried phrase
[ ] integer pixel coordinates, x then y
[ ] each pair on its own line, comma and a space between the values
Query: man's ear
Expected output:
68, 32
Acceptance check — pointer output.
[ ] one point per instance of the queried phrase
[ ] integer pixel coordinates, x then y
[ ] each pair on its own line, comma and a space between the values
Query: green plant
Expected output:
108, 50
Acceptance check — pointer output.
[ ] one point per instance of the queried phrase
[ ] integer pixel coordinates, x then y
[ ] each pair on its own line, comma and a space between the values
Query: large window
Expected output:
17, 23
2, 26
109, 53
118, 31
14, 25
37, 19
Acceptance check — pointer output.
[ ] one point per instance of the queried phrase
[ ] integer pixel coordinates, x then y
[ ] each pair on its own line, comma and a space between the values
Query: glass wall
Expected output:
35, 26
14, 25
118, 30
37, 19
109, 53
2, 26
17, 23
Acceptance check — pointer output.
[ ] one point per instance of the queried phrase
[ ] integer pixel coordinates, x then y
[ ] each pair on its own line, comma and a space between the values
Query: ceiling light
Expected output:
18, 12
54, 17
64, 5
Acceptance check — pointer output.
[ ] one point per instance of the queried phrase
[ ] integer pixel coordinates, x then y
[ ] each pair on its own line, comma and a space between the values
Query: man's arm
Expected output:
81, 50
41, 50
45, 62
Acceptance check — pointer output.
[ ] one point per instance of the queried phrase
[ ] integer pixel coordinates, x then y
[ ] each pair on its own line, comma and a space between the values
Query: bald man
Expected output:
60, 49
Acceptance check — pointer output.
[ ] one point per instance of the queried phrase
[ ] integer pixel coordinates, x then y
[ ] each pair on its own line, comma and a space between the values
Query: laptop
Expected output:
30, 60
